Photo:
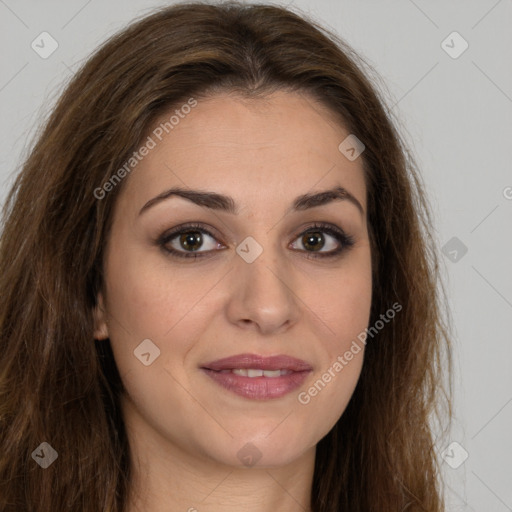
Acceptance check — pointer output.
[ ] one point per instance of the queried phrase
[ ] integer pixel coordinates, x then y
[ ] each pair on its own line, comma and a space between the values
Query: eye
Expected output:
186, 241
314, 241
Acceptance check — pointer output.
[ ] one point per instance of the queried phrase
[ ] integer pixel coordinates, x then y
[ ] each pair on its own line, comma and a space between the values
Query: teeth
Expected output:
249, 372
272, 373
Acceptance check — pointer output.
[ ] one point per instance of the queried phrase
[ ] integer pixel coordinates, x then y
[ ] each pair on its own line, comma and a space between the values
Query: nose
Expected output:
262, 295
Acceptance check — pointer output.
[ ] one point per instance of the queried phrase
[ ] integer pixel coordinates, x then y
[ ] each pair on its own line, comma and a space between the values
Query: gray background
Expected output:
456, 116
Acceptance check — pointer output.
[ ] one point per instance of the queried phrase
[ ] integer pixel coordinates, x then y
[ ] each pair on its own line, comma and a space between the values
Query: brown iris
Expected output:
191, 240
313, 240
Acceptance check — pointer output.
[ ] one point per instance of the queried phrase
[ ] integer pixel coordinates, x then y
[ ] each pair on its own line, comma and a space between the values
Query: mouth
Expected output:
258, 377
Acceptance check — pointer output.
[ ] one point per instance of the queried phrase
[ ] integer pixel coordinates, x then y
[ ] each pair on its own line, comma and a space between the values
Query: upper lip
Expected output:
258, 362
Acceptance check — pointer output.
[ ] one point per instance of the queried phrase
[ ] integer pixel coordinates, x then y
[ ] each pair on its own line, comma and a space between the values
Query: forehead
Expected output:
284, 144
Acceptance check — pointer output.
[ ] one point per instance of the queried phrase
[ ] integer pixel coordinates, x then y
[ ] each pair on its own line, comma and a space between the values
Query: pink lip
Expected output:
258, 388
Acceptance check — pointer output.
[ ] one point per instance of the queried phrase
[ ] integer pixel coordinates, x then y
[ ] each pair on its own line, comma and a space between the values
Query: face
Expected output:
205, 293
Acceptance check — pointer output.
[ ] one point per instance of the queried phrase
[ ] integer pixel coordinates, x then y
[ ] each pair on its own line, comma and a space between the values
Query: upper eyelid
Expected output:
173, 232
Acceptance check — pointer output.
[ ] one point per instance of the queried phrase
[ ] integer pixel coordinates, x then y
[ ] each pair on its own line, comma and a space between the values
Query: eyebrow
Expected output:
226, 204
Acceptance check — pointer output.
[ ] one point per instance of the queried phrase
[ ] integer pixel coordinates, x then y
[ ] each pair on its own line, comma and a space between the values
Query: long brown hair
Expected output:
57, 385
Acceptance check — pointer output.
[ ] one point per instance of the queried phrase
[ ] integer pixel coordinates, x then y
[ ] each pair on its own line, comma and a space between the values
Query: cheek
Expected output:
344, 307
325, 399
148, 297
343, 302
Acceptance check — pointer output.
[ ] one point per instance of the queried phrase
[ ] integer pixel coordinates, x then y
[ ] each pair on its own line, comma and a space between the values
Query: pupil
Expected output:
312, 240
191, 241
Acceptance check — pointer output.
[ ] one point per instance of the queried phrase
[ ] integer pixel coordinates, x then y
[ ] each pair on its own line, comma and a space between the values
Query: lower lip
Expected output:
258, 388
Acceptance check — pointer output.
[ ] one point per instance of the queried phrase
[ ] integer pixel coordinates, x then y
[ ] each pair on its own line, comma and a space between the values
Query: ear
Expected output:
100, 319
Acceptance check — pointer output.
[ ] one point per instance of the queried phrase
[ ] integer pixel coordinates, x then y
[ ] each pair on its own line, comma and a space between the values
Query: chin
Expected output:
256, 448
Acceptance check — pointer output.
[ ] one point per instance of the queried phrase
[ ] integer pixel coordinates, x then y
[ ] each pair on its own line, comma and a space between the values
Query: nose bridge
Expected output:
262, 285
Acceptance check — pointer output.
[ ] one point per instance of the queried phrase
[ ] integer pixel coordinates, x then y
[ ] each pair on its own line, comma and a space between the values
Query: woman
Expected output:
219, 282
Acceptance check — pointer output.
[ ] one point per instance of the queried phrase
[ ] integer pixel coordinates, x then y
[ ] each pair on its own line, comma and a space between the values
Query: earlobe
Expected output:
100, 322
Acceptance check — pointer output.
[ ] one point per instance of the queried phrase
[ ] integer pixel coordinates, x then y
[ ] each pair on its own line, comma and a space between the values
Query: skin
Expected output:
184, 429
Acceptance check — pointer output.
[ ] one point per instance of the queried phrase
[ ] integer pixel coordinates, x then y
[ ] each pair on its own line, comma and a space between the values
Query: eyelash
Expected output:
346, 241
